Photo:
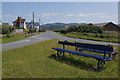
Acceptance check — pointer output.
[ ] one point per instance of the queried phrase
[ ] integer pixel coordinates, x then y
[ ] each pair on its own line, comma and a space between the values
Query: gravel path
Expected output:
45, 36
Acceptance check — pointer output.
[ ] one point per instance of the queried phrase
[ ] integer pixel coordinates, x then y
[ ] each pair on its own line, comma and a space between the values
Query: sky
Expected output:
60, 0
63, 12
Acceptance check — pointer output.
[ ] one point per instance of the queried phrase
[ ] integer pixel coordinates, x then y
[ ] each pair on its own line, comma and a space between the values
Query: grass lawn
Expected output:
19, 36
92, 36
36, 61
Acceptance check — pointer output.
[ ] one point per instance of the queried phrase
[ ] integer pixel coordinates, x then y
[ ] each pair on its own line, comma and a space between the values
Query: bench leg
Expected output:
100, 64
60, 53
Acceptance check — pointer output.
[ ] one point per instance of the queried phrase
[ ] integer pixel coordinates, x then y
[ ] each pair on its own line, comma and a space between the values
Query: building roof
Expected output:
113, 24
98, 24
5, 23
21, 20
104, 24
35, 23
101, 24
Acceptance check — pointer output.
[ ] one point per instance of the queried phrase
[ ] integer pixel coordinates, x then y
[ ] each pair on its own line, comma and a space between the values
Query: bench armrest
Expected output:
114, 55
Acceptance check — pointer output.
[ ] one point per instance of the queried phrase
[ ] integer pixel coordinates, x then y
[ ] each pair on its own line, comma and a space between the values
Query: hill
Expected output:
58, 25
53, 26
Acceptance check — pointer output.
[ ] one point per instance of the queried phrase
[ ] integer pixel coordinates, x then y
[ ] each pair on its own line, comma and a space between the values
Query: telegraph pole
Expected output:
33, 19
39, 24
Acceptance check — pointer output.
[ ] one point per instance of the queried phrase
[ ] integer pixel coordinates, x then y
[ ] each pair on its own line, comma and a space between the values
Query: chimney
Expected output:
18, 22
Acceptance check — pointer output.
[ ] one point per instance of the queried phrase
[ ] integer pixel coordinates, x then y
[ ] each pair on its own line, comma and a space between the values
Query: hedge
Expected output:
19, 27
84, 28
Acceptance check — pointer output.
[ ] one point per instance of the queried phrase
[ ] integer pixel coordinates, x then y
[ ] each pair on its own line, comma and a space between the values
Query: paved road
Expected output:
45, 36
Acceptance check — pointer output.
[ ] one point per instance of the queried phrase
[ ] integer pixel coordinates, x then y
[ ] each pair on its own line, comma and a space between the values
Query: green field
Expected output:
38, 61
19, 36
92, 36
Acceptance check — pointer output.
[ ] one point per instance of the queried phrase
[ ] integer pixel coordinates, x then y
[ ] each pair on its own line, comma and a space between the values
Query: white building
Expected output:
30, 25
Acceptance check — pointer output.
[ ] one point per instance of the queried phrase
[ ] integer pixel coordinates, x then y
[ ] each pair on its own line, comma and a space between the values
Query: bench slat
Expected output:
83, 54
88, 46
67, 43
99, 51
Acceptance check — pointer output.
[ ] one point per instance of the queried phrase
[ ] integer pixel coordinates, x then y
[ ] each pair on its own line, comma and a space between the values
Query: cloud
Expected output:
59, 14
9, 16
70, 15
75, 15
91, 15
50, 14
81, 14
80, 17
28, 15
44, 15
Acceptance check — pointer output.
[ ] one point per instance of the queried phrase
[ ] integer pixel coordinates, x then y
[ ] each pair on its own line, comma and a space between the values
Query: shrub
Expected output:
63, 31
42, 30
27, 30
35, 29
7, 29
8, 35
101, 36
108, 36
57, 30
97, 36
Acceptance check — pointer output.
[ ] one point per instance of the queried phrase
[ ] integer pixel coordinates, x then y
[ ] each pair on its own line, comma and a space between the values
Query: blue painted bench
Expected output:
105, 49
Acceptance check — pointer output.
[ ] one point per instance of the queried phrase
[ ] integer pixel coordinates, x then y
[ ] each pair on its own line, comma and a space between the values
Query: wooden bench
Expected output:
105, 49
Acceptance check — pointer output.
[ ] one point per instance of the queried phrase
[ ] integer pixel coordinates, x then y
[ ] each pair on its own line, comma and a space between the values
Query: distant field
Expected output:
37, 61
92, 36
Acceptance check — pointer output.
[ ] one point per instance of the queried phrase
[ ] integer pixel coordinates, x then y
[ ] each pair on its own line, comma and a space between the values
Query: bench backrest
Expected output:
88, 46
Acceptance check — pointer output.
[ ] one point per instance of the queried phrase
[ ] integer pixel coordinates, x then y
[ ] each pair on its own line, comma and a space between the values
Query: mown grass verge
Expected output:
37, 61
19, 36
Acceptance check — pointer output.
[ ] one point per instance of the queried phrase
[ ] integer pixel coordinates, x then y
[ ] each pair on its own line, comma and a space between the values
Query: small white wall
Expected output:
19, 30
